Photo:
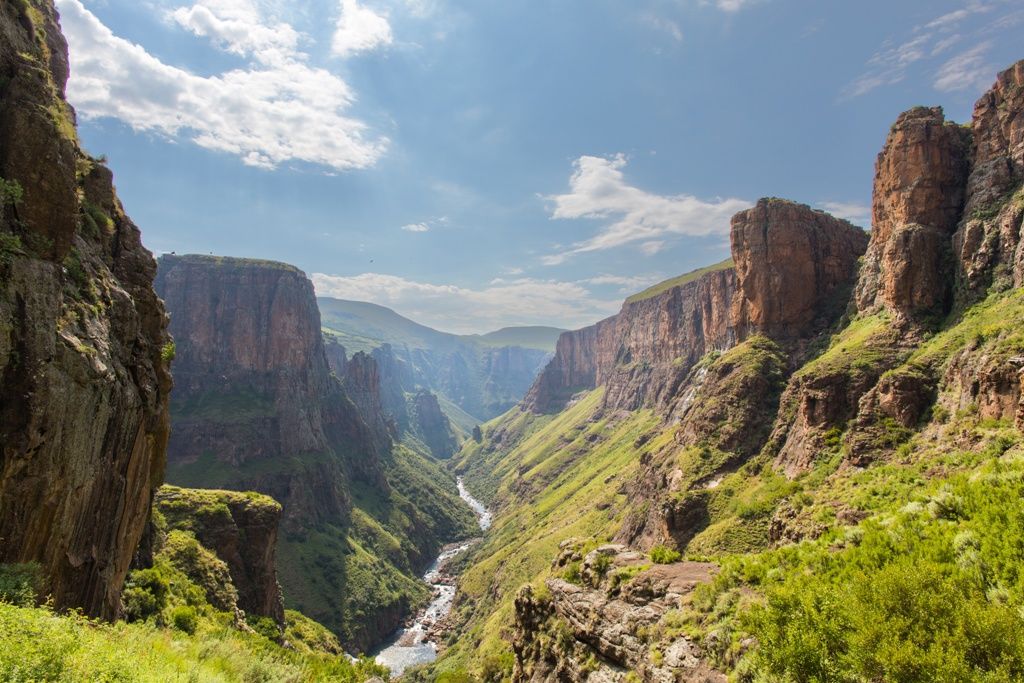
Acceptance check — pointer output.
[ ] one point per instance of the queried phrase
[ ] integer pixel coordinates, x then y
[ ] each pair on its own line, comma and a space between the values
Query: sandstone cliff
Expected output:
644, 352
253, 388
83, 408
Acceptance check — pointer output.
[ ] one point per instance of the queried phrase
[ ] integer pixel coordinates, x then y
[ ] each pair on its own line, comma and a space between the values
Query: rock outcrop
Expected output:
606, 627
919, 194
83, 342
433, 426
241, 528
794, 267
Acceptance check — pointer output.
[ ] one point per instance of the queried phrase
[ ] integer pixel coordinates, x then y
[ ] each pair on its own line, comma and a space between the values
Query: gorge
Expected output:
804, 462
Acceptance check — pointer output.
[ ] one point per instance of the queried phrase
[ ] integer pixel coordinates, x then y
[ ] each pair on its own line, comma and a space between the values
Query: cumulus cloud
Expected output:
928, 41
967, 71
237, 27
359, 29
859, 214
503, 302
598, 190
279, 109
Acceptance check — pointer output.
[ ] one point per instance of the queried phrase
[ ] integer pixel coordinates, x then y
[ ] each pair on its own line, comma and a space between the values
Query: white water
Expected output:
412, 645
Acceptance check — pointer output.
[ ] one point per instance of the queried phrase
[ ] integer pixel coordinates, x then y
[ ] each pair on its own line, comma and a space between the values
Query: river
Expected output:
413, 645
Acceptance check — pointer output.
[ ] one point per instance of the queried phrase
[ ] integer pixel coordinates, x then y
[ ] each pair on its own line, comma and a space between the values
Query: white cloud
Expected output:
416, 227
598, 190
890, 64
733, 5
967, 71
359, 29
268, 114
460, 309
859, 214
237, 27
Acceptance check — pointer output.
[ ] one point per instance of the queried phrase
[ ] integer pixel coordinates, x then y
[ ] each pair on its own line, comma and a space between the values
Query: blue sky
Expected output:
485, 163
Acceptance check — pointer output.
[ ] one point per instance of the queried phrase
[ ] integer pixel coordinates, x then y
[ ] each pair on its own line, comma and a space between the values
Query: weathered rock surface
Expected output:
612, 620
642, 354
919, 194
794, 267
241, 528
83, 398
432, 425
988, 243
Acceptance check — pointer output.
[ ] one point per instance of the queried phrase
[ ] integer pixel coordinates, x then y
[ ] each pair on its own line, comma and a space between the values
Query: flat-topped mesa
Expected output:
254, 389
643, 353
988, 242
83, 356
920, 177
795, 267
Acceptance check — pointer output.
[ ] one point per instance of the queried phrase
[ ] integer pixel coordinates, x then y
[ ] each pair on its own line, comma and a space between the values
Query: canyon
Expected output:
805, 462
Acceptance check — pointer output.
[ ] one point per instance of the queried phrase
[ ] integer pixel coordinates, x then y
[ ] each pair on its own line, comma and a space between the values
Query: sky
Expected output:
485, 163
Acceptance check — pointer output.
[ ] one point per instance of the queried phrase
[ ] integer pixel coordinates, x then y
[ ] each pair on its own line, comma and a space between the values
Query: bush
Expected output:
145, 594
20, 583
185, 618
661, 554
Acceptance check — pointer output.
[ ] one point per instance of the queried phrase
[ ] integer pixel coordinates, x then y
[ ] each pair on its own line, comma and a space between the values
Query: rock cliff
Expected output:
643, 353
919, 194
257, 407
253, 387
795, 268
83, 342
241, 528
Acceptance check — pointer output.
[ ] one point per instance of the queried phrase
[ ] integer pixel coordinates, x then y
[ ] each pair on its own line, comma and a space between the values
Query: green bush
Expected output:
19, 583
144, 595
184, 618
265, 626
661, 554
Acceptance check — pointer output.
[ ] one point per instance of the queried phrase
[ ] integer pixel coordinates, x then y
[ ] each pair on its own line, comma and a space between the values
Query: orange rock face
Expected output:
919, 191
794, 266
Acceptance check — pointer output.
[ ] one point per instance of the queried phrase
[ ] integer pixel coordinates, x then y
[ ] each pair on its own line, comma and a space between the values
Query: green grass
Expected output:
38, 645
686, 278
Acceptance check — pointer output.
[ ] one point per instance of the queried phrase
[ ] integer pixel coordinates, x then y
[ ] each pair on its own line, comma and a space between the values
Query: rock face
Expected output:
84, 392
919, 194
389, 400
253, 386
643, 353
794, 266
988, 243
612, 618
241, 528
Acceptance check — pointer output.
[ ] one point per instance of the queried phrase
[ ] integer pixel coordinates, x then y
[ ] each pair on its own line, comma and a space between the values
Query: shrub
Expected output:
145, 594
168, 352
661, 554
19, 583
185, 619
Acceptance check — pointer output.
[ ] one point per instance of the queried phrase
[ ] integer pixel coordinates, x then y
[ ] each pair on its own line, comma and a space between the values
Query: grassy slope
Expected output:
657, 289
39, 645
785, 597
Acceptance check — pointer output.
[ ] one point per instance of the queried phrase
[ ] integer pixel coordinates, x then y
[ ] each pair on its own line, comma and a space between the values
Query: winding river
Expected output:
414, 645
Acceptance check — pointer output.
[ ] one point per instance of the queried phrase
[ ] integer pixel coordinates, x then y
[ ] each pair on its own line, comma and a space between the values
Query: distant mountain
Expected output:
476, 377
530, 337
